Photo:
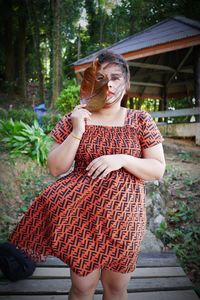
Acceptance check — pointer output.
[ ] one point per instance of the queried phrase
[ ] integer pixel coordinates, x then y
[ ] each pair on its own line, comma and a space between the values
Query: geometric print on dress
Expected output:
92, 223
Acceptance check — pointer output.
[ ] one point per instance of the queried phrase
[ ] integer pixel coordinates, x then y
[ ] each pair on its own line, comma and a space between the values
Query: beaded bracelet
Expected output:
76, 137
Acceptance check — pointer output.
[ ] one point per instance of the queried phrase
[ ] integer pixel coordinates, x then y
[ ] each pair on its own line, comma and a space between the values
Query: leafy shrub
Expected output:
9, 128
177, 223
3, 114
69, 97
21, 138
25, 179
25, 115
31, 185
180, 233
50, 120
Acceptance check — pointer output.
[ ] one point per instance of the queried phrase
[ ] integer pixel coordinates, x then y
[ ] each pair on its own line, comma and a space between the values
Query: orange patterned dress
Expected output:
92, 223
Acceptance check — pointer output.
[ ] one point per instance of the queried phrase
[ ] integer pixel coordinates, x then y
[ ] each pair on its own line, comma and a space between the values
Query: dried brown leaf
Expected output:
94, 88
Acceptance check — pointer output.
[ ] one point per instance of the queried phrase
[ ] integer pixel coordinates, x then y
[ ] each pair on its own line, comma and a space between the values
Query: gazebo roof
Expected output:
160, 56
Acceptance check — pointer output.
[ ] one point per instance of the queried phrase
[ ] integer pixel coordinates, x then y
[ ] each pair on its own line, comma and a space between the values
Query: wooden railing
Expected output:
176, 113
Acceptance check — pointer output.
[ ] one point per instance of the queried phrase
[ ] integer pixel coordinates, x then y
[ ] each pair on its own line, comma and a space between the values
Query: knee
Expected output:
84, 289
84, 286
114, 287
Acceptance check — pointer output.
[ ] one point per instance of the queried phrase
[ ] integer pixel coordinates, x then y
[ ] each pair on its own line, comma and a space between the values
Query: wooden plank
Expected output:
188, 69
162, 259
145, 83
166, 295
60, 286
157, 259
150, 66
176, 113
138, 273
153, 50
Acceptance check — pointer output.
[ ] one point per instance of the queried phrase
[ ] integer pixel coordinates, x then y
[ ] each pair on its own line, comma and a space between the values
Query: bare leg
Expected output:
115, 285
83, 288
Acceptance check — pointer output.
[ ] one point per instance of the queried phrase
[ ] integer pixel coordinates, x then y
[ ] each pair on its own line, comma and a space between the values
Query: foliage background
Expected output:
40, 39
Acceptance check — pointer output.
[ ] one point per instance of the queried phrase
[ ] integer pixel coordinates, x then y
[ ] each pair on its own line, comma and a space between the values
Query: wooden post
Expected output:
124, 101
131, 102
165, 100
163, 104
197, 78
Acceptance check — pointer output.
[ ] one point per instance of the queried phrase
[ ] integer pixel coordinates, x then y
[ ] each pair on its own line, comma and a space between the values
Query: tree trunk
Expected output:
9, 46
36, 40
102, 23
92, 20
78, 44
50, 34
21, 55
56, 5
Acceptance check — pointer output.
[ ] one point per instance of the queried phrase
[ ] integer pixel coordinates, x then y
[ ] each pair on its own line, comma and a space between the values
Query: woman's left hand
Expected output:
103, 165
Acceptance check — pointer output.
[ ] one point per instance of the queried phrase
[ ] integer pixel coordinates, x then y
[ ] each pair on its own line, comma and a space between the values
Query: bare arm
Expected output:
61, 156
152, 166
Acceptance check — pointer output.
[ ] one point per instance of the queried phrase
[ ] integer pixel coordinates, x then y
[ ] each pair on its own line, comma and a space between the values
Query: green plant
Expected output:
171, 174
179, 215
185, 155
29, 180
21, 138
3, 114
69, 97
9, 128
50, 120
24, 114
190, 181
31, 184
181, 233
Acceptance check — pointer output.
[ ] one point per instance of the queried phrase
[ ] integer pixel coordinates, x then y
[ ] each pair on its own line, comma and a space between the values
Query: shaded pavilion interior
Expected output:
164, 61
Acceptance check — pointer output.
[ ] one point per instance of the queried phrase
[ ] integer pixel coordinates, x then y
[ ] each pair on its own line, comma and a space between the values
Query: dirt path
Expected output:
184, 155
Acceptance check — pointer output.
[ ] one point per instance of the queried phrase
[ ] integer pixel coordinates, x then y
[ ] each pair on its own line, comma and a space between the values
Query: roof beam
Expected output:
153, 84
163, 48
187, 69
180, 65
140, 83
150, 66
158, 67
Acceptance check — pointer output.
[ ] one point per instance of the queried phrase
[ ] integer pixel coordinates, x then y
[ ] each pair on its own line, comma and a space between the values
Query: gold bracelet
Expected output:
76, 137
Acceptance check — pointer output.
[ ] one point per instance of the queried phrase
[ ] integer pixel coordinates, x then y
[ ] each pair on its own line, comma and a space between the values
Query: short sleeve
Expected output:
148, 131
62, 129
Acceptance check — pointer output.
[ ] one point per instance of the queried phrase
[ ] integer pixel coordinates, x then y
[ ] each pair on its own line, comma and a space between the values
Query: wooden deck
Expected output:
158, 276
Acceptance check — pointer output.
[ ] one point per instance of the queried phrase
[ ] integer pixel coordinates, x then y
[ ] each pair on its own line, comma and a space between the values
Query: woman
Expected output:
94, 218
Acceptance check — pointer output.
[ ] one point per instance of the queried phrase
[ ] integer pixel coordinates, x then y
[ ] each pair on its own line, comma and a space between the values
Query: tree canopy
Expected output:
41, 38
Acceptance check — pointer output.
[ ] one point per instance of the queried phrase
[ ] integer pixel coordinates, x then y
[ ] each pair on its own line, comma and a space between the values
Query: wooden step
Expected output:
166, 295
158, 276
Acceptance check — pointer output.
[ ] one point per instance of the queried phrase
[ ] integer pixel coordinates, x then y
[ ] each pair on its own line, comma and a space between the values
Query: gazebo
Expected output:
164, 62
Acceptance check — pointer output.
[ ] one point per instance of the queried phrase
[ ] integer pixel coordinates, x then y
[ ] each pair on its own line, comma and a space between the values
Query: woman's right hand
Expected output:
78, 118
